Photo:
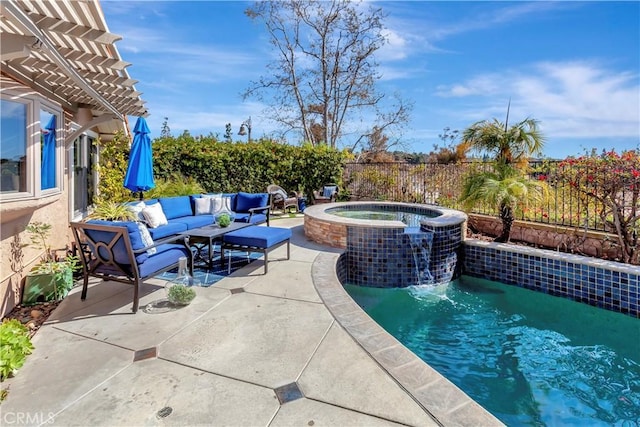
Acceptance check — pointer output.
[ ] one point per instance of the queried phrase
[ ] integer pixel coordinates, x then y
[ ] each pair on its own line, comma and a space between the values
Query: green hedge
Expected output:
230, 167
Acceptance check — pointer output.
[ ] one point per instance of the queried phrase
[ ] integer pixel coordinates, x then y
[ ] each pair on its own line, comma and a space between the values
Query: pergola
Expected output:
64, 50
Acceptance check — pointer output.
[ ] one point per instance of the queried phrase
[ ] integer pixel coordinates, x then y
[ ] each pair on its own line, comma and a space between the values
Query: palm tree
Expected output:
505, 188
509, 146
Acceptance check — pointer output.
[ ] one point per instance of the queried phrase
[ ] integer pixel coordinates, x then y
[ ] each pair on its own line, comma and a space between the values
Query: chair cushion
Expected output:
154, 215
260, 237
248, 201
328, 190
176, 207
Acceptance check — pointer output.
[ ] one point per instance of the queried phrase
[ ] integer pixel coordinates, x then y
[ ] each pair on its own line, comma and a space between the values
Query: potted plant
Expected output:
52, 278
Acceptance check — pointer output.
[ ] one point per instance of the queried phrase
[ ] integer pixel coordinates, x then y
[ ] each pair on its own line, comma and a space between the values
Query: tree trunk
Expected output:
506, 215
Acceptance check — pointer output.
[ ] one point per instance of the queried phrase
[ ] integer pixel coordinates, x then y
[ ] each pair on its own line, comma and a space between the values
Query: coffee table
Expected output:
205, 237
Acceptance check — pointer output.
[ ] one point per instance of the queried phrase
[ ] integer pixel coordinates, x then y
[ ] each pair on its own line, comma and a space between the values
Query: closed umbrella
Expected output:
139, 175
48, 166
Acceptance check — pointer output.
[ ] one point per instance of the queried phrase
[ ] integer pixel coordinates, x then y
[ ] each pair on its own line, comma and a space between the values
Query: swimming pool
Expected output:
527, 357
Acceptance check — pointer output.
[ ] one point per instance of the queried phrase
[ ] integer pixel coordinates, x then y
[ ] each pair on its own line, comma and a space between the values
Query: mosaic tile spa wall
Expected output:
387, 257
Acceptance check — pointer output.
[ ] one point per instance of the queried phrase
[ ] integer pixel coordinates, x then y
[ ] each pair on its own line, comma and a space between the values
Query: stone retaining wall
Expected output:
326, 233
566, 239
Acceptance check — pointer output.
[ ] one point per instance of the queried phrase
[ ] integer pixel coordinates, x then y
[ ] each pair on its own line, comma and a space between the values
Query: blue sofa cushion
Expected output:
176, 207
167, 230
119, 250
260, 237
255, 218
248, 201
192, 222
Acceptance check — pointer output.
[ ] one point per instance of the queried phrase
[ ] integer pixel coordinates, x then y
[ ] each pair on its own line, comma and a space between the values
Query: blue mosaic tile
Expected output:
384, 257
601, 286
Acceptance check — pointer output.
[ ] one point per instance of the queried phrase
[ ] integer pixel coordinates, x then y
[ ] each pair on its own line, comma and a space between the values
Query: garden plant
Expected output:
612, 182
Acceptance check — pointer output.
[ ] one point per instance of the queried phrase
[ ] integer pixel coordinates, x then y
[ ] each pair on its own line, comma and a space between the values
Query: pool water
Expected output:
409, 218
528, 358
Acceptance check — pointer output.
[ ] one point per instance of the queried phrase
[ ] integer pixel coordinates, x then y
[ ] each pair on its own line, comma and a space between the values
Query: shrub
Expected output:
230, 167
174, 185
612, 182
15, 345
112, 211
112, 168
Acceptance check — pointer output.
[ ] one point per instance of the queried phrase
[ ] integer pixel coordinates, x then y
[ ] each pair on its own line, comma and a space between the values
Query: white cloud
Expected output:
395, 49
571, 99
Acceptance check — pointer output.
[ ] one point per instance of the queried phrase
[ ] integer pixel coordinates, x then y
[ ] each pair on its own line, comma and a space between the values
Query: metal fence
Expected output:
441, 184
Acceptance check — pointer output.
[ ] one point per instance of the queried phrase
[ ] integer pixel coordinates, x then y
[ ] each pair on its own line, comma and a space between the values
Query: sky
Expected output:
573, 66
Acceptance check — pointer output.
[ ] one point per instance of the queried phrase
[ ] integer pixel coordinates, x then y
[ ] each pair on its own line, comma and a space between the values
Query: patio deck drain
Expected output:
164, 412
147, 353
236, 291
288, 393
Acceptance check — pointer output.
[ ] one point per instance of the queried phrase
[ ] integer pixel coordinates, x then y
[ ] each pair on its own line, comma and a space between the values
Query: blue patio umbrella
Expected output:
139, 175
48, 166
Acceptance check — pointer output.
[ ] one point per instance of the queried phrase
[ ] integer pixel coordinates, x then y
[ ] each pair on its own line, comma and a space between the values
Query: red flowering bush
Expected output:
611, 181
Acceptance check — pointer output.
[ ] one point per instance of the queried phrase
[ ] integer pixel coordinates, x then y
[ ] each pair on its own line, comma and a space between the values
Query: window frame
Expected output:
87, 138
35, 103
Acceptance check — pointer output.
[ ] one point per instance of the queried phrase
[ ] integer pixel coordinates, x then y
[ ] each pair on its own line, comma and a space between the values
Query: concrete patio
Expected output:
251, 350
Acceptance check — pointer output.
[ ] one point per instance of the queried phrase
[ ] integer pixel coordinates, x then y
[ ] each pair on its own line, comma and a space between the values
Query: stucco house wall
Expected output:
91, 98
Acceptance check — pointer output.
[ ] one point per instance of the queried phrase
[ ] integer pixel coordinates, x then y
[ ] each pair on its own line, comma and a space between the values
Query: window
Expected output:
13, 147
31, 164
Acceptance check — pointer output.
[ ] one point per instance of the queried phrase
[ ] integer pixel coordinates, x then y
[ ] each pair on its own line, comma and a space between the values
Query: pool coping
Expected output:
440, 398
447, 216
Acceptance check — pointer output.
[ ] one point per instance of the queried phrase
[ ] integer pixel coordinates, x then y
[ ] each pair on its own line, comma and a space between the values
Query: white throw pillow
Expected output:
203, 206
137, 210
217, 203
146, 238
154, 215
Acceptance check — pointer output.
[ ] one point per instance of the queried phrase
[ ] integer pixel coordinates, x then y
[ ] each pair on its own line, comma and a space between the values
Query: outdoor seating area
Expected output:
169, 228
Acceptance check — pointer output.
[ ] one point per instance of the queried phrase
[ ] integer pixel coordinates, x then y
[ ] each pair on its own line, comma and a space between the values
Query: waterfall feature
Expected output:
419, 246
421, 243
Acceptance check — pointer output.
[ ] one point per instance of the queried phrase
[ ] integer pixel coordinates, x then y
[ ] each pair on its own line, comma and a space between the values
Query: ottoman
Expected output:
256, 239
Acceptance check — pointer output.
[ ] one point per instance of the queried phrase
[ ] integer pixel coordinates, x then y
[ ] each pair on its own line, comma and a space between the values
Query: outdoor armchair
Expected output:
327, 194
280, 199
116, 251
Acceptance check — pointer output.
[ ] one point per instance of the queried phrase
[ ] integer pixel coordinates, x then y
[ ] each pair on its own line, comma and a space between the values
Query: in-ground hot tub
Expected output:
390, 244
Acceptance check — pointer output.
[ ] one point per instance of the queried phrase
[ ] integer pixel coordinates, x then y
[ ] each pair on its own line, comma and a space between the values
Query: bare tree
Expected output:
323, 80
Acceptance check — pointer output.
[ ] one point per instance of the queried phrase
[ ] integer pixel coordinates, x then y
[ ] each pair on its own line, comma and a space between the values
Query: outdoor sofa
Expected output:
183, 213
